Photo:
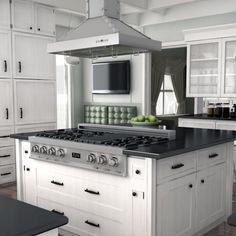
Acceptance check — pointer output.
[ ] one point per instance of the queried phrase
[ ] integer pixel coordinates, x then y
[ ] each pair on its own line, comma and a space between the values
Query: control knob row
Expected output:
51, 151
102, 159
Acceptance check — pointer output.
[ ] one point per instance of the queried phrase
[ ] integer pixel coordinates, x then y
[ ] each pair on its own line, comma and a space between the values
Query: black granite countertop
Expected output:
187, 140
205, 116
21, 219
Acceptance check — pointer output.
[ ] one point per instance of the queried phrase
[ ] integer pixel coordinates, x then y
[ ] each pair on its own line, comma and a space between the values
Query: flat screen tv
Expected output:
111, 77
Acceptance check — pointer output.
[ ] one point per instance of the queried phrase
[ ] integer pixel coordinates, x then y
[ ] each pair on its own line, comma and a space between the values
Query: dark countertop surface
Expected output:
205, 116
187, 140
21, 219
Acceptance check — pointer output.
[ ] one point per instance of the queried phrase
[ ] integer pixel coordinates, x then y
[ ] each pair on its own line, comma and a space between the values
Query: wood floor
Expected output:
9, 190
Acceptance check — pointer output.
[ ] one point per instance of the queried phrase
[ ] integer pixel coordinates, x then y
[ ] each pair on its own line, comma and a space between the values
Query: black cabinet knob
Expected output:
134, 194
39, 29
31, 27
137, 172
190, 186
202, 181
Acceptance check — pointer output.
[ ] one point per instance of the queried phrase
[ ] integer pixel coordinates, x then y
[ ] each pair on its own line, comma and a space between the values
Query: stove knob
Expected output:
43, 150
52, 151
35, 148
102, 160
113, 162
61, 153
91, 158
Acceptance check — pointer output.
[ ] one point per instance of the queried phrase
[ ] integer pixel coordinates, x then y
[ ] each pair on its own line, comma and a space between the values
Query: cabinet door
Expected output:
229, 68
29, 181
203, 69
24, 54
35, 101
5, 14
6, 104
23, 16
175, 207
45, 20
210, 195
5, 55
45, 63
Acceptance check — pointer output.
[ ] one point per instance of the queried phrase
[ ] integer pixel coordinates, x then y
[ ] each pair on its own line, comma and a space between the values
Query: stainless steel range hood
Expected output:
103, 34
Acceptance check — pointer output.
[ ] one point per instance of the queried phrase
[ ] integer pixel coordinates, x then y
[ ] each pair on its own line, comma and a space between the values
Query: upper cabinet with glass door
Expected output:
203, 69
229, 68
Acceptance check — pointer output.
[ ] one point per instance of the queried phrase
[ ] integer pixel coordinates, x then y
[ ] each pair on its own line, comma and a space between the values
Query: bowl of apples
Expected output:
145, 120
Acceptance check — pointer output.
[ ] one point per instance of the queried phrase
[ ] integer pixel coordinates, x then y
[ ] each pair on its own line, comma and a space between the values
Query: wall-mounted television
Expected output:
111, 77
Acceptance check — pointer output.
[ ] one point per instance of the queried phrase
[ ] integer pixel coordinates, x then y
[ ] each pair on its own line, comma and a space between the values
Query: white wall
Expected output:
136, 95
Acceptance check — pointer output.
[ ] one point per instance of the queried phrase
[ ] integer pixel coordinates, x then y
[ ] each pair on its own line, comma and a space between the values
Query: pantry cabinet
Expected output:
6, 104
35, 101
31, 60
175, 207
5, 14
33, 18
5, 54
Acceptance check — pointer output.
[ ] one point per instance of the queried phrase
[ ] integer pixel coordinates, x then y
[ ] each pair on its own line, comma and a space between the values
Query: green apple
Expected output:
135, 119
141, 118
152, 118
147, 120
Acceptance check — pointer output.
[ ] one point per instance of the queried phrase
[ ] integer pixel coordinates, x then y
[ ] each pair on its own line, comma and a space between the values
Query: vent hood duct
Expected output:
102, 34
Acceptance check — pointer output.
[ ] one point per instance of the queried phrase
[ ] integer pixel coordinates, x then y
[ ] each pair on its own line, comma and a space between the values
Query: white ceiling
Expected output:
144, 13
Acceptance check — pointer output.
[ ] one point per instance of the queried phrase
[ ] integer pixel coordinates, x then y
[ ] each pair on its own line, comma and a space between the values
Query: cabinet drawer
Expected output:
211, 156
197, 123
7, 174
5, 139
84, 223
229, 125
176, 166
7, 156
92, 192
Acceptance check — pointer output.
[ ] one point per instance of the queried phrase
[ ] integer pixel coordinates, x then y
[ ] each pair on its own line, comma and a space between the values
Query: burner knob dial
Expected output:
52, 151
113, 162
35, 148
61, 153
43, 150
102, 160
91, 158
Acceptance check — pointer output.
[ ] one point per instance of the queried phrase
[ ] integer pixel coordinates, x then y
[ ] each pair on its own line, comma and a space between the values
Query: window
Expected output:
166, 103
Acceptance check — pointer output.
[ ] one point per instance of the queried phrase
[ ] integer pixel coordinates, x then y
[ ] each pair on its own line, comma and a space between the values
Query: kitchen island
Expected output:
182, 187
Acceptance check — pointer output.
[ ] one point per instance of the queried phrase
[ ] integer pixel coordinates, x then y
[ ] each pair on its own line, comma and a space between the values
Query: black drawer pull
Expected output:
7, 173
20, 67
137, 172
58, 212
27, 169
91, 192
5, 66
177, 166
4, 156
92, 224
202, 181
57, 183
213, 155
21, 113
7, 113
190, 186
5, 136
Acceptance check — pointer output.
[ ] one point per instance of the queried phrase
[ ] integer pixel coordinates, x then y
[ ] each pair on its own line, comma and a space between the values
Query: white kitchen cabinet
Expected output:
210, 204
45, 20
33, 18
23, 16
35, 101
203, 68
6, 104
229, 69
5, 14
31, 60
5, 54
35, 127
175, 207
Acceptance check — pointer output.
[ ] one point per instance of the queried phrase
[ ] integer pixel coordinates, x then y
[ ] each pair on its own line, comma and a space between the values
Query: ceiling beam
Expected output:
191, 10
